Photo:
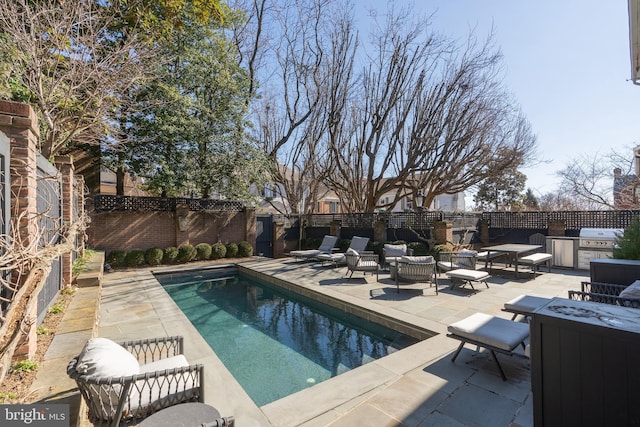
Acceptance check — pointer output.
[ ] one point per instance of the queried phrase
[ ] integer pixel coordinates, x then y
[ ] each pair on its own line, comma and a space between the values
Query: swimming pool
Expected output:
275, 342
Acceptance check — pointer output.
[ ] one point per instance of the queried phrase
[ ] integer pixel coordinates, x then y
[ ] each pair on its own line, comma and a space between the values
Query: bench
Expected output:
534, 260
490, 332
524, 305
468, 276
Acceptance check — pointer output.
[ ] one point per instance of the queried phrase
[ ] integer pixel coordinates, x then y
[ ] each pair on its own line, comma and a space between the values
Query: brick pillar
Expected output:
250, 227
380, 231
65, 165
18, 121
484, 232
334, 228
557, 228
278, 239
443, 232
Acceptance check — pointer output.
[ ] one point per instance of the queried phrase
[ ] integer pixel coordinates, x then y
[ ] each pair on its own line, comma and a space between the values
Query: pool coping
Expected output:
317, 405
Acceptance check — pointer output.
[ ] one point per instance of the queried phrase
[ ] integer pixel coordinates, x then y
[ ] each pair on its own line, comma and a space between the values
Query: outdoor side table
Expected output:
191, 414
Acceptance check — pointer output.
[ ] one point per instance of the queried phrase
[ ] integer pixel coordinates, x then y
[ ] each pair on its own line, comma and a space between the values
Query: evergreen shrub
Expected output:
245, 249
134, 258
232, 250
628, 244
219, 250
186, 253
170, 255
342, 245
419, 248
376, 247
203, 251
116, 258
153, 256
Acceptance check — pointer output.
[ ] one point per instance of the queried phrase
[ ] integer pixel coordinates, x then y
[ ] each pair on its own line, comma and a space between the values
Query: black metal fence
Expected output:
574, 220
503, 227
48, 202
130, 203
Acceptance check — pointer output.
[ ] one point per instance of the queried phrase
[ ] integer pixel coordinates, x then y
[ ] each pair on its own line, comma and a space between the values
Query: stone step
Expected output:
91, 274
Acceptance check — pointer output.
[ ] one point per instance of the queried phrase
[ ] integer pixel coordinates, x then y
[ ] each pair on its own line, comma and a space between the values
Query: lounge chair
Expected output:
490, 332
326, 247
392, 253
414, 269
364, 261
465, 259
133, 379
524, 305
358, 244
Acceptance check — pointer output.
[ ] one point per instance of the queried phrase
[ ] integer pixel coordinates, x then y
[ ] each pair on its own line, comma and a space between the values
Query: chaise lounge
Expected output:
358, 244
490, 332
326, 247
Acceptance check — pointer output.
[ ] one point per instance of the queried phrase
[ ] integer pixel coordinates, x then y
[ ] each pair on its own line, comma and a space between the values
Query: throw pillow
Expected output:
394, 250
102, 358
417, 259
631, 291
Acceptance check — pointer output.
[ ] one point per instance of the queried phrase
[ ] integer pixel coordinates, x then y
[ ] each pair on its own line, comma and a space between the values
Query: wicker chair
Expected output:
362, 261
164, 379
456, 260
392, 253
605, 293
415, 269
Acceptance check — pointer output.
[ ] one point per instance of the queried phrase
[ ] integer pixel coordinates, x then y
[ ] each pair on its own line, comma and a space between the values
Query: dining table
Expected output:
514, 250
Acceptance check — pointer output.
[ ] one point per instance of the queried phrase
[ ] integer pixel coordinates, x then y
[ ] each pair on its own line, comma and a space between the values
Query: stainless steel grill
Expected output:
596, 243
599, 238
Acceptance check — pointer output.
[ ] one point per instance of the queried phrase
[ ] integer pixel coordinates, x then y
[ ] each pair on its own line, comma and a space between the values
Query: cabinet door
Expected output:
562, 251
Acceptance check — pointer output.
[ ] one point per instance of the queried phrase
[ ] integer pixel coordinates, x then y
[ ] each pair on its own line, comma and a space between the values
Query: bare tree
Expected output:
75, 60
561, 201
429, 116
26, 259
296, 66
589, 178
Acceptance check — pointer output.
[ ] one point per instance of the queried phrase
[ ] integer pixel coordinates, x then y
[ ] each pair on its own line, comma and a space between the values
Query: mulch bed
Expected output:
15, 386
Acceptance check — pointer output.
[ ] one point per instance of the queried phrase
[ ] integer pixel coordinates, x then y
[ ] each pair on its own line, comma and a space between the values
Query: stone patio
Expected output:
417, 386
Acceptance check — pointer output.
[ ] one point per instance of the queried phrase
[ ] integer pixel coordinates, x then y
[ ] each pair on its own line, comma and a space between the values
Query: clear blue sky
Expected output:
567, 64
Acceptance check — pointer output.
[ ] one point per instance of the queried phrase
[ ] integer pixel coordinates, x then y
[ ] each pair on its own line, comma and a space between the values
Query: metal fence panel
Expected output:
104, 202
49, 208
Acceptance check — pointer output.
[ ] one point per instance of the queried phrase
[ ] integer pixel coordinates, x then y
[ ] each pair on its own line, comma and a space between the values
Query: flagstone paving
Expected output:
417, 386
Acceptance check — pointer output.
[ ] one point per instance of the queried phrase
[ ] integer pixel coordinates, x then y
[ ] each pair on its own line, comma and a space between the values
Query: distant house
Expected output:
442, 202
108, 184
626, 188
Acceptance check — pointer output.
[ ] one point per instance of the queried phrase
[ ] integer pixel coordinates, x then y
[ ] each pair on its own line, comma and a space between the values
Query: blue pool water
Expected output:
275, 343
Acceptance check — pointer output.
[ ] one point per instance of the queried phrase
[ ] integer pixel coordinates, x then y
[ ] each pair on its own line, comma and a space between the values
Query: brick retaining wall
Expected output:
126, 230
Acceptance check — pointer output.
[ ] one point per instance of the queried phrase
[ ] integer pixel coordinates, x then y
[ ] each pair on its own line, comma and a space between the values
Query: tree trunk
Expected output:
120, 181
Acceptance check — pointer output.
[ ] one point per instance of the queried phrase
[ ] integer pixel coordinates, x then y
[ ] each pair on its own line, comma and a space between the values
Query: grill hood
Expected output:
600, 233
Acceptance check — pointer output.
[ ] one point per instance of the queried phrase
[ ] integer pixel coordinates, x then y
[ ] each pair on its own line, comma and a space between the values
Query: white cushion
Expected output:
465, 274
536, 258
394, 250
525, 304
351, 251
417, 259
493, 331
468, 252
103, 358
155, 393
166, 363
631, 291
